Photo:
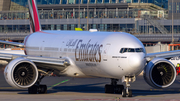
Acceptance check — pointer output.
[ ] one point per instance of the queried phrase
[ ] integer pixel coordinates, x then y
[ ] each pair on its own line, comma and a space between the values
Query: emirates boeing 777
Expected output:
113, 55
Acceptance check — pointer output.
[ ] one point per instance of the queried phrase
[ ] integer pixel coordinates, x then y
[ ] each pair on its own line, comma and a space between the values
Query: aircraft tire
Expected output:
109, 88
33, 89
129, 93
42, 89
124, 93
119, 89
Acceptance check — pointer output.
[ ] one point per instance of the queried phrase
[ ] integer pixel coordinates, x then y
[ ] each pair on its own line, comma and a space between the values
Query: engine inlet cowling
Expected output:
21, 73
160, 73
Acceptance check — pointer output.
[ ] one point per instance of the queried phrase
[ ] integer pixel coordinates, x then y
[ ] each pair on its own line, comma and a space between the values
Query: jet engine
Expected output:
21, 73
159, 73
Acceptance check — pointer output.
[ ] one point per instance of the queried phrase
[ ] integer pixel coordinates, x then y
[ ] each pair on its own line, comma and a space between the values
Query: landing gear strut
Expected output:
37, 88
127, 92
113, 87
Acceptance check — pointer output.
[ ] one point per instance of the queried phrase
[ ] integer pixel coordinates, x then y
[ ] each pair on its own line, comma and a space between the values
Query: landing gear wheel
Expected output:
42, 89
129, 93
33, 89
124, 93
109, 88
119, 89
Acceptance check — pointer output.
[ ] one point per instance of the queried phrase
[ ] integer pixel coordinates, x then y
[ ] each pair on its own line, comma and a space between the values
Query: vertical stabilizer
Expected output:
33, 16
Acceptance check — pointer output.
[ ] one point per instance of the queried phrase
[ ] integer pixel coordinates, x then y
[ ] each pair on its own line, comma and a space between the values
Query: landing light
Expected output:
76, 74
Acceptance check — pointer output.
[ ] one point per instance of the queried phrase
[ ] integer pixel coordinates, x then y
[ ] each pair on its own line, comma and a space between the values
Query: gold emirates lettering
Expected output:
88, 52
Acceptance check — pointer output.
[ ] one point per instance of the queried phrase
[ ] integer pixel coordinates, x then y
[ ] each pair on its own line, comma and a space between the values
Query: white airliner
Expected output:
114, 55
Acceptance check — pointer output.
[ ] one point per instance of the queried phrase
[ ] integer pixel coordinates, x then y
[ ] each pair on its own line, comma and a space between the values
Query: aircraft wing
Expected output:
166, 55
13, 43
41, 62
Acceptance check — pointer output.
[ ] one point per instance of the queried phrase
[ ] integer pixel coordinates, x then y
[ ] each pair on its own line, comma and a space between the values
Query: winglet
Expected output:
35, 25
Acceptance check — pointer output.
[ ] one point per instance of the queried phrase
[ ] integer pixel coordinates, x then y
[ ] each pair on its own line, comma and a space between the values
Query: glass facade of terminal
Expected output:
134, 27
174, 8
64, 15
22, 4
129, 28
47, 2
74, 14
160, 3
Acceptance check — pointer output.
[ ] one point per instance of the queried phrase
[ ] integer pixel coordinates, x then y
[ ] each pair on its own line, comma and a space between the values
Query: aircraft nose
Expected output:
137, 61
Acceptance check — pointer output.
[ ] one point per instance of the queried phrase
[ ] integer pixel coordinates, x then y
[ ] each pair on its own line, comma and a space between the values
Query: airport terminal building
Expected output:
132, 16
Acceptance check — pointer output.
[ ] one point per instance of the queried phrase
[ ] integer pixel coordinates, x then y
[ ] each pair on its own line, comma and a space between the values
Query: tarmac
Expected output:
88, 89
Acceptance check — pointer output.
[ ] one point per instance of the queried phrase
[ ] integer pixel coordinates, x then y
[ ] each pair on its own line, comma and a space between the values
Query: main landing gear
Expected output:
37, 88
113, 87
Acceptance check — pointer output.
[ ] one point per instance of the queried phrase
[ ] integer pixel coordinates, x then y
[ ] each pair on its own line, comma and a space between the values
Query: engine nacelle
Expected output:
160, 73
21, 73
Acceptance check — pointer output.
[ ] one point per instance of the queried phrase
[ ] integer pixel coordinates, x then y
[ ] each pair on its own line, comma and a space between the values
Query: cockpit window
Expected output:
123, 50
139, 50
131, 50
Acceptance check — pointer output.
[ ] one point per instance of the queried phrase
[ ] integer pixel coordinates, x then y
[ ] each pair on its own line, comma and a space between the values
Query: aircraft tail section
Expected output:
35, 25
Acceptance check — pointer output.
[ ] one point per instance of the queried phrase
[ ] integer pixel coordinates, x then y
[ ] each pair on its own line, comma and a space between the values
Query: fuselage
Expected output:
98, 54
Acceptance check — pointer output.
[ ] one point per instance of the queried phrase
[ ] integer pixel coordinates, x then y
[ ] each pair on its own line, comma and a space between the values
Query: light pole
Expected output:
172, 24
87, 13
79, 16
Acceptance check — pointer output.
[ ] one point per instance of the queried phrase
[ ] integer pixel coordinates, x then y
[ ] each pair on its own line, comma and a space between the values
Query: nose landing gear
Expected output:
127, 92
